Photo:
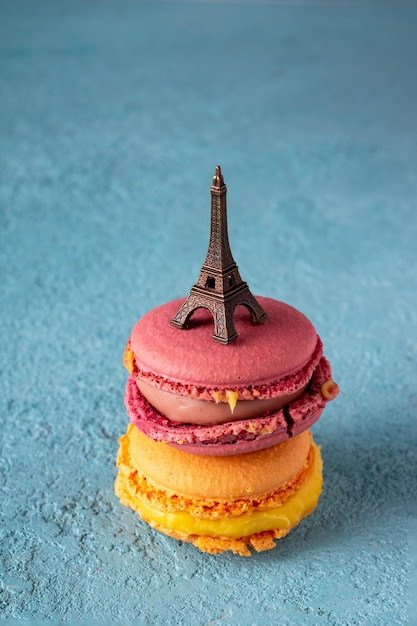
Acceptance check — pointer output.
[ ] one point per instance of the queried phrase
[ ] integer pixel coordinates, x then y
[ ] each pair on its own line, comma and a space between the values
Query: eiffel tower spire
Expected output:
219, 288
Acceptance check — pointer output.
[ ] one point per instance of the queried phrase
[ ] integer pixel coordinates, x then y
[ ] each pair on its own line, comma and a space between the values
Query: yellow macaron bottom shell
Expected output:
257, 527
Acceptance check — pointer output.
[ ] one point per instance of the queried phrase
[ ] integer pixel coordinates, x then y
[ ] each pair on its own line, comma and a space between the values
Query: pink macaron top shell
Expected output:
282, 352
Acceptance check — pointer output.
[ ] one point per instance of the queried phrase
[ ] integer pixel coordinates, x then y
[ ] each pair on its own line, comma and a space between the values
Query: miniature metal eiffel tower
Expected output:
219, 288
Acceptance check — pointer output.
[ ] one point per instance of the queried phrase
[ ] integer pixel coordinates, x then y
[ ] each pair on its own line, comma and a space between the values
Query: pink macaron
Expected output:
203, 397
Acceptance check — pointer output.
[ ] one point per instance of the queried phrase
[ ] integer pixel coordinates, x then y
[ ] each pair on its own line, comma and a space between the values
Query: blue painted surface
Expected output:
112, 118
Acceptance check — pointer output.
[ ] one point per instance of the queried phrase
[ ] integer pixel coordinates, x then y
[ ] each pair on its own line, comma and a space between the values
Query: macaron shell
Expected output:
275, 349
228, 478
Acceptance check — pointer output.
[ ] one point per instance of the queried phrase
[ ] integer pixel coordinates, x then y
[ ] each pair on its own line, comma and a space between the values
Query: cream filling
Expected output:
283, 517
203, 413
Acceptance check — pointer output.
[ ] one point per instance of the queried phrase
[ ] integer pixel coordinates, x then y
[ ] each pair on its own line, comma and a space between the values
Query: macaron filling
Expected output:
185, 410
235, 436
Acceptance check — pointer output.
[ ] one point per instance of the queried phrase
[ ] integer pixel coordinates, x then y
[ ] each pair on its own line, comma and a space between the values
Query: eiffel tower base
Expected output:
222, 309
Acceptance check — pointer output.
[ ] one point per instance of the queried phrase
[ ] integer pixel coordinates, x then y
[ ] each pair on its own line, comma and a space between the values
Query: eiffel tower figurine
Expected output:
219, 288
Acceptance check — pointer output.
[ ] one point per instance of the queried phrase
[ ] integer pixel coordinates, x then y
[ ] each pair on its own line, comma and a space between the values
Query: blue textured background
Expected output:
112, 118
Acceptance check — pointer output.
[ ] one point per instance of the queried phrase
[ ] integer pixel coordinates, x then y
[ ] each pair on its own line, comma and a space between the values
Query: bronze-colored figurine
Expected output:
219, 288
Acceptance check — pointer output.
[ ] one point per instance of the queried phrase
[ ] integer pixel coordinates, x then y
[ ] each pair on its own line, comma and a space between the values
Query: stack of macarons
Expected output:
218, 451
